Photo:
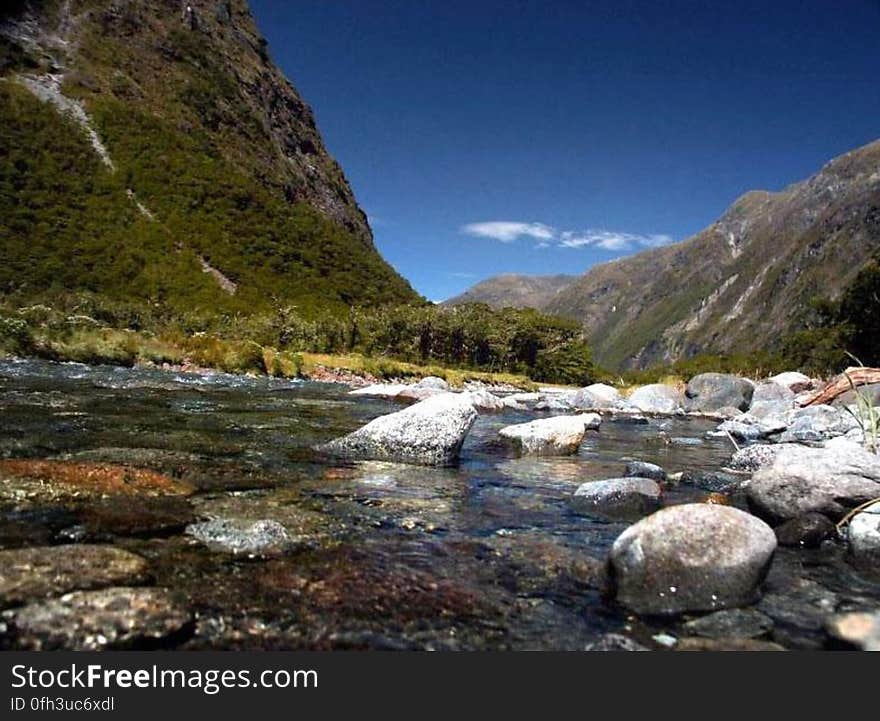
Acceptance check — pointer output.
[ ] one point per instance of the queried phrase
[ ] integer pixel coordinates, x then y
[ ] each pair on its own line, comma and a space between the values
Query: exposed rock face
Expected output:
657, 398
694, 557
803, 480
430, 432
33, 573
712, 391
618, 497
113, 618
514, 291
741, 283
560, 435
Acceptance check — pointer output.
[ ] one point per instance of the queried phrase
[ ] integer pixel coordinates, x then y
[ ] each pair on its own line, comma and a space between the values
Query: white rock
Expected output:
380, 390
560, 435
794, 381
864, 535
657, 398
430, 432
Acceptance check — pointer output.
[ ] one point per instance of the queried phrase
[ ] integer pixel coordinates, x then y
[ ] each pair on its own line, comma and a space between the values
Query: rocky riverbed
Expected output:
147, 509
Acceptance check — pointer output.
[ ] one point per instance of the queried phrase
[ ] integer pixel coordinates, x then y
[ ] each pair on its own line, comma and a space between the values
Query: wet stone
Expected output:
712, 481
641, 469
854, 631
730, 623
617, 497
242, 536
112, 618
807, 531
615, 642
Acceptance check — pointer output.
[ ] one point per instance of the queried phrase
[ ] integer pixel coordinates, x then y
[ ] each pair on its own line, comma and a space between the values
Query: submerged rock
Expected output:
731, 623
113, 618
822, 480
807, 531
641, 469
693, 557
709, 392
859, 631
560, 435
657, 398
618, 497
864, 536
430, 432
262, 537
32, 573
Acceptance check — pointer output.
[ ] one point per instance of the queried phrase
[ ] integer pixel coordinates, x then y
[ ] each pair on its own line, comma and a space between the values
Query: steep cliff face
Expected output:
740, 284
190, 125
515, 291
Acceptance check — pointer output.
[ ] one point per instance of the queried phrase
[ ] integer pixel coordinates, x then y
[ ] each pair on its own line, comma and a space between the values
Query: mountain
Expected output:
741, 284
514, 290
151, 152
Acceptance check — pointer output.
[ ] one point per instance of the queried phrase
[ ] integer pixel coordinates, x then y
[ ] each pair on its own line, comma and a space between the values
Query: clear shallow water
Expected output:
488, 554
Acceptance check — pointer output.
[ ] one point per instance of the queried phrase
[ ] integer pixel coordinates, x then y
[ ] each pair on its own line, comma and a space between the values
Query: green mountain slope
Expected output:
150, 152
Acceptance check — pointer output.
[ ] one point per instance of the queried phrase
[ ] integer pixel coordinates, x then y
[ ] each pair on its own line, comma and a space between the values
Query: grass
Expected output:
865, 414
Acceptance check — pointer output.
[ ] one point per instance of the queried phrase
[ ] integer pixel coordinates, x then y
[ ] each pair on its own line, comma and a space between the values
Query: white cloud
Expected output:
508, 231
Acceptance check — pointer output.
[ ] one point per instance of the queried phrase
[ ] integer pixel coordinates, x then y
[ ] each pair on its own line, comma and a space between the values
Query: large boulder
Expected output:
794, 381
430, 432
709, 392
657, 398
801, 480
618, 497
598, 396
557, 436
693, 557
864, 536
768, 391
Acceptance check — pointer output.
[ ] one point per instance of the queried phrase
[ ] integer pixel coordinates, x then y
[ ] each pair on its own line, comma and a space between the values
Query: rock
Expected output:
630, 419
641, 469
726, 644
817, 423
43, 482
559, 436
524, 398
430, 432
618, 497
27, 574
772, 412
414, 394
803, 480
105, 519
113, 618
657, 398
807, 531
794, 381
737, 623
433, 382
799, 609
485, 401
262, 537
751, 458
708, 392
380, 390
855, 631
556, 402
772, 392
598, 396
749, 429
712, 481
864, 536
871, 391
693, 557
615, 642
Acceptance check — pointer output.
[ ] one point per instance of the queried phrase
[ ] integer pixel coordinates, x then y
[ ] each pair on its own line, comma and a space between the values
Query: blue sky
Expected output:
484, 137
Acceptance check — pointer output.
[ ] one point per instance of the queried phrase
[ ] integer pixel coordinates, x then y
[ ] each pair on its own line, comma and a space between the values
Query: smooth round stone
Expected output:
618, 497
642, 469
693, 557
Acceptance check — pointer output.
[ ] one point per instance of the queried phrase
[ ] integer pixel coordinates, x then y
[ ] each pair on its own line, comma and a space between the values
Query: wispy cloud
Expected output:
508, 231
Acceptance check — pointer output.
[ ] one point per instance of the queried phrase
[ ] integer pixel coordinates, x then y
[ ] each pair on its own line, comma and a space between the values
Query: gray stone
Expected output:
822, 480
794, 381
657, 398
598, 396
262, 537
807, 531
871, 391
618, 497
433, 382
864, 536
772, 392
556, 402
817, 423
27, 574
708, 392
430, 432
855, 631
560, 435
112, 618
731, 623
615, 642
642, 469
751, 458
712, 481
380, 390
693, 557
